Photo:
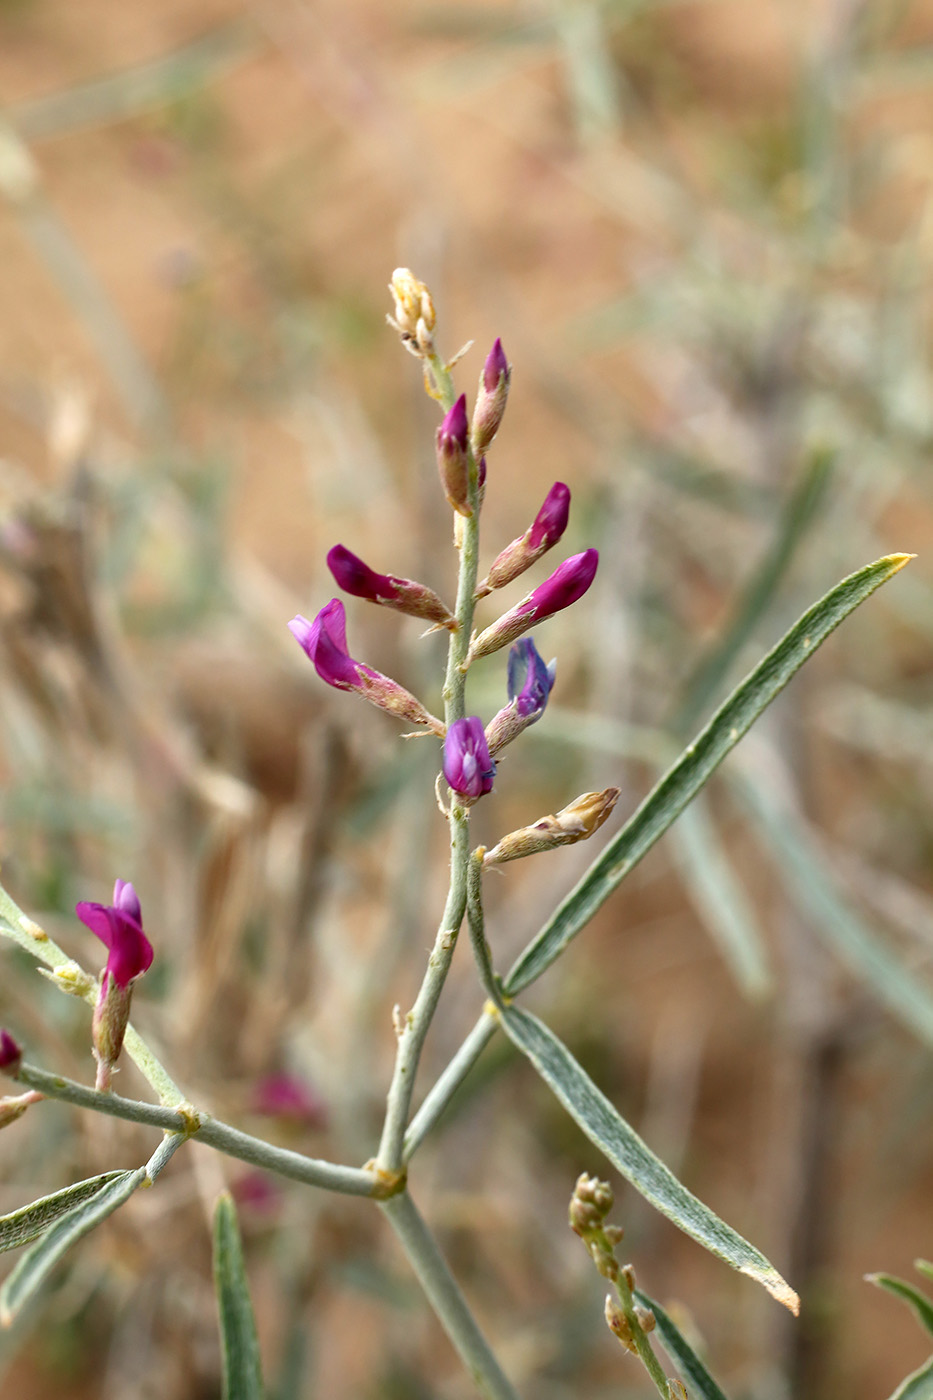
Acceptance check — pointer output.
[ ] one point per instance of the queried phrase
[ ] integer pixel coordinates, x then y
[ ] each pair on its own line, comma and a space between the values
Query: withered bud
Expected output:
618, 1324
15, 1107
584, 816
645, 1318
628, 1272
614, 1234
677, 1390
414, 312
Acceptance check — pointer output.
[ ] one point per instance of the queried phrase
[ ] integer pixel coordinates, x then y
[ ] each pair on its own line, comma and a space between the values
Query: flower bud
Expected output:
568, 582
324, 642
403, 594
543, 532
490, 398
414, 312
468, 767
453, 460
529, 684
119, 927
584, 816
13, 1108
677, 1390
618, 1324
10, 1054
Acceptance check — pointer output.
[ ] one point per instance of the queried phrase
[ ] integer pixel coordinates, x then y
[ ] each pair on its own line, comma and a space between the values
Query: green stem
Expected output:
163, 1154
640, 1337
446, 1298
353, 1181
476, 921
443, 1090
390, 1158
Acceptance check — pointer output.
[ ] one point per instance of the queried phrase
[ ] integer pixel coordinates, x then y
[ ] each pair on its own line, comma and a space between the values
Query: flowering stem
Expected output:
390, 1158
640, 1336
445, 1297
188, 1122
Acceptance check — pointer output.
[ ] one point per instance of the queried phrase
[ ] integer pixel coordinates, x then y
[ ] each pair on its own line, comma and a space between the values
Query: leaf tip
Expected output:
778, 1288
897, 561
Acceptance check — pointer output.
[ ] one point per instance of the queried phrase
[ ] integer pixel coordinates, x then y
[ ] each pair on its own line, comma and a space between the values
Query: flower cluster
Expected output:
462, 441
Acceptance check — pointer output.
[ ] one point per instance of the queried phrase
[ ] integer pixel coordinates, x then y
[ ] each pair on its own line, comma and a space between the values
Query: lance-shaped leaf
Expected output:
621, 1145
32, 1270
919, 1302
701, 1384
240, 1346
684, 780
917, 1386
29, 1222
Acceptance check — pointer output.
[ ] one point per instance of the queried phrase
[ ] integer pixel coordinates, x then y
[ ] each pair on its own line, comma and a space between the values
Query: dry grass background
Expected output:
704, 232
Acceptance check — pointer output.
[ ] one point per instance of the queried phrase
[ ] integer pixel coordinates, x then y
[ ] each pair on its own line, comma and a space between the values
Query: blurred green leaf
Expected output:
684, 780
240, 1346
691, 1368
31, 1271
919, 1302
720, 900
811, 886
21, 1226
622, 1146
917, 1386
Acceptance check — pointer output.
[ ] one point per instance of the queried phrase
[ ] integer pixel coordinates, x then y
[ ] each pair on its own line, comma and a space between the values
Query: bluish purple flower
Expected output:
491, 398
543, 532
403, 594
530, 679
567, 583
468, 767
119, 927
453, 460
324, 642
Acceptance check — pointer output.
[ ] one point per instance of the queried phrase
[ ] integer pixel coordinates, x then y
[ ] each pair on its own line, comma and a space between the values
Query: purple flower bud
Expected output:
324, 641
468, 767
543, 532
453, 460
119, 928
10, 1054
567, 583
403, 594
491, 398
529, 679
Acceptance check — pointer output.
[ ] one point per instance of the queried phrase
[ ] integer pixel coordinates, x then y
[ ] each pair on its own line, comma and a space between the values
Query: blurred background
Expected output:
704, 231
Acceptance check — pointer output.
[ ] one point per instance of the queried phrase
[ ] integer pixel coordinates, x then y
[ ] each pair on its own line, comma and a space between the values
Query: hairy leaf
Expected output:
242, 1367
27, 1223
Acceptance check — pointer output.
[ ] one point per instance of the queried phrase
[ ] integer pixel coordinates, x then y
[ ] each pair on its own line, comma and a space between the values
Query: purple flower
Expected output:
468, 767
567, 583
286, 1096
403, 594
543, 532
491, 398
324, 641
530, 679
10, 1053
119, 927
453, 460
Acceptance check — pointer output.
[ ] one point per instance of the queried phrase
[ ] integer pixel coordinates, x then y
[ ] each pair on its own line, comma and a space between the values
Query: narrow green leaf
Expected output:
919, 1302
923, 1266
720, 900
240, 1346
797, 516
917, 1386
604, 1126
27, 1223
683, 781
31, 1271
809, 884
691, 1368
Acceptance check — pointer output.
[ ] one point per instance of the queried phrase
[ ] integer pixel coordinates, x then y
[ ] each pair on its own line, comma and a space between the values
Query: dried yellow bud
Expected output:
581, 819
414, 311
618, 1325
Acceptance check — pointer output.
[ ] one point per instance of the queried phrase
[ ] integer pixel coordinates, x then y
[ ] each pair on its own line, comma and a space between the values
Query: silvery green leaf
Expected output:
621, 1145
917, 1386
239, 1344
692, 1370
919, 1302
31, 1271
27, 1223
684, 780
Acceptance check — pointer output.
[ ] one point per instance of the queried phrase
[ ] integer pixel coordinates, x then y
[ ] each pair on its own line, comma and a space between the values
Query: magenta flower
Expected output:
453, 460
324, 641
119, 927
403, 594
491, 398
10, 1053
287, 1096
567, 583
543, 532
468, 767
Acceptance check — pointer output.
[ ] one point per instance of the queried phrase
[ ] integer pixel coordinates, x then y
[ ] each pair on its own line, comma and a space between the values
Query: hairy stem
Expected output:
443, 1090
446, 1299
189, 1122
